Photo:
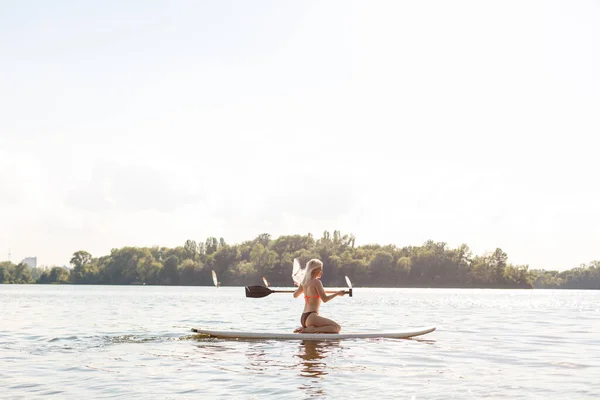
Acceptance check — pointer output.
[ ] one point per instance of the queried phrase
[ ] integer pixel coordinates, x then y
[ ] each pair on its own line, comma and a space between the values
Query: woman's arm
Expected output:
298, 291
323, 295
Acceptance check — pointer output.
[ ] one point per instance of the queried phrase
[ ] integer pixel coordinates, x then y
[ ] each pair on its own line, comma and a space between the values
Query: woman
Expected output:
314, 292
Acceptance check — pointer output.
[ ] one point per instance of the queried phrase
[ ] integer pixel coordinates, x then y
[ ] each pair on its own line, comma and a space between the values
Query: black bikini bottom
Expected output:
304, 317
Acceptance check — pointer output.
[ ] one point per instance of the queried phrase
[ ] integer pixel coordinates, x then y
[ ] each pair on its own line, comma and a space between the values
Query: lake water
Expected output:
135, 342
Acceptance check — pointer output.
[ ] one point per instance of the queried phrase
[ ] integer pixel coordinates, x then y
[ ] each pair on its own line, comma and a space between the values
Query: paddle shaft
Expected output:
292, 291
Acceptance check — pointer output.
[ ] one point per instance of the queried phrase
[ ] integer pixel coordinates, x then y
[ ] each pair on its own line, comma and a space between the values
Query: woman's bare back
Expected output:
312, 296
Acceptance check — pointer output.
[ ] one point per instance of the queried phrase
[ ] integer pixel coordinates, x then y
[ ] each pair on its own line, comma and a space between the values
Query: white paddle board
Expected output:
311, 336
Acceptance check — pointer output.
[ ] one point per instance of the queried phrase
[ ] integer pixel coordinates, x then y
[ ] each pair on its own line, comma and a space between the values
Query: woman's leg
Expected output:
318, 324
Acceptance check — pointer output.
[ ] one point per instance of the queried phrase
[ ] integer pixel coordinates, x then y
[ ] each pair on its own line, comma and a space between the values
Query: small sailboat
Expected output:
215, 280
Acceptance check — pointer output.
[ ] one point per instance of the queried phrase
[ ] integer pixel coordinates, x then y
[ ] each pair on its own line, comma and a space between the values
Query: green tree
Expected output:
211, 245
79, 261
54, 275
403, 267
148, 269
380, 267
170, 272
6, 272
191, 249
22, 274
190, 272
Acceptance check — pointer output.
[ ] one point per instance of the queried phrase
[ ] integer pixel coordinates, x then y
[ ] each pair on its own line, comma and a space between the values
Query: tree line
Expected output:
433, 264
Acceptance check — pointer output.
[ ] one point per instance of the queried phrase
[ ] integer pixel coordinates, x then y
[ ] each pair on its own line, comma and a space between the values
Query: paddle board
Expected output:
311, 336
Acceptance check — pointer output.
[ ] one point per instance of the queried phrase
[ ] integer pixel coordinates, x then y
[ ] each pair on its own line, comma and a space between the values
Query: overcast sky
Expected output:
143, 123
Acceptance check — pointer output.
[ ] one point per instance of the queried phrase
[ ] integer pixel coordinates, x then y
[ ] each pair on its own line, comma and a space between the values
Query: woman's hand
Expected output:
298, 291
341, 293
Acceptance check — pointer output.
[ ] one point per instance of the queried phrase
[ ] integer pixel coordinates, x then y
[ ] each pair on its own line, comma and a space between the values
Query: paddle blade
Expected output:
257, 291
265, 281
298, 272
349, 285
214, 276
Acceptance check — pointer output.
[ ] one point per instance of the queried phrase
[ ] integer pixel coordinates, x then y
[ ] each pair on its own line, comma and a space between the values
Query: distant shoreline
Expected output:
431, 265
291, 287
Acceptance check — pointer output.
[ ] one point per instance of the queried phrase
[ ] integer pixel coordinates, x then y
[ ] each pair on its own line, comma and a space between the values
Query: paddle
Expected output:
258, 291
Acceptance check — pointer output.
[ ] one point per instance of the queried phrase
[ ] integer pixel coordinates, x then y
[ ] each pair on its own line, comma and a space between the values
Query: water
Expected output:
134, 342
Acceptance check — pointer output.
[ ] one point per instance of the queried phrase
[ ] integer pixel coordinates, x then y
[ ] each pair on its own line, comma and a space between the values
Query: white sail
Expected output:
215, 281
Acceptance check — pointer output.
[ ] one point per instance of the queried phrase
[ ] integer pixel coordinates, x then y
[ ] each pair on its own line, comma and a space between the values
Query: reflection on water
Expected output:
258, 357
420, 340
314, 365
314, 355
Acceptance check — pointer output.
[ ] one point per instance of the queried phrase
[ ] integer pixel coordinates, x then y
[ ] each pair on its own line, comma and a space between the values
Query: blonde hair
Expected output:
311, 266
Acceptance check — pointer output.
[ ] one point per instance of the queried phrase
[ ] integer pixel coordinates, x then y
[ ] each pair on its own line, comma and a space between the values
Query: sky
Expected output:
145, 123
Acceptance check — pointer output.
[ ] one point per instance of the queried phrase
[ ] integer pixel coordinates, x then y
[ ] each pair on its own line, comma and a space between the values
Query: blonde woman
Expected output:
314, 293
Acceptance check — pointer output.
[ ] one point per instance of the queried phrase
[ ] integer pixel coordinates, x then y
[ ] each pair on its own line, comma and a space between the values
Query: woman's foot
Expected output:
299, 330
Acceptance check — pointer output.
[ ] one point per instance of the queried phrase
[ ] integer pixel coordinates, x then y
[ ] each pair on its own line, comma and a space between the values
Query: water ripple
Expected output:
112, 342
